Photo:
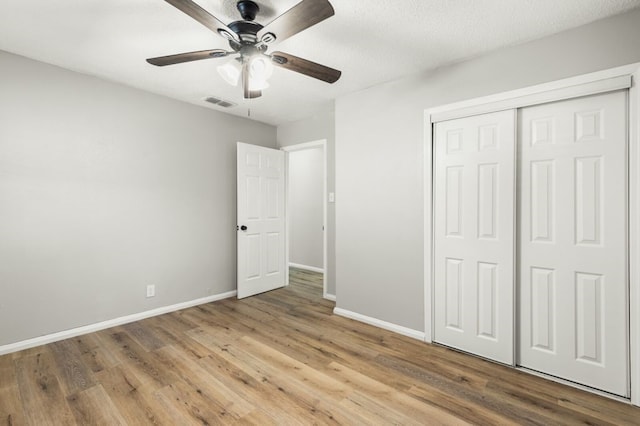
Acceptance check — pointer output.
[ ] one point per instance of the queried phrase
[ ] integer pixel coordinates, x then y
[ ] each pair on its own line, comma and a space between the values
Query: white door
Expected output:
474, 234
573, 302
261, 220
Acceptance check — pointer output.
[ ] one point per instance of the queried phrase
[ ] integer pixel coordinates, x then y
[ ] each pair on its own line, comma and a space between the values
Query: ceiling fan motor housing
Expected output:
246, 31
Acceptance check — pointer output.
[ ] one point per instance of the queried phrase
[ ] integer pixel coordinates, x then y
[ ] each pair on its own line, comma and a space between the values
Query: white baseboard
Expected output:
328, 296
405, 331
306, 267
66, 334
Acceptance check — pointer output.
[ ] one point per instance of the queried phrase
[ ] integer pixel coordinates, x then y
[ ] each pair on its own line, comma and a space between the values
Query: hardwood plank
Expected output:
253, 390
504, 406
285, 365
383, 394
206, 385
247, 312
11, 412
597, 407
292, 392
470, 411
220, 318
257, 417
74, 375
376, 412
244, 316
145, 364
31, 351
179, 321
41, 394
186, 406
133, 400
169, 330
142, 333
93, 354
94, 407
7, 369
525, 400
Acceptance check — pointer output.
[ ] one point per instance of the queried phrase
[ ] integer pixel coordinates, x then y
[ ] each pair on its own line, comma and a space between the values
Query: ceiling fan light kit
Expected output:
249, 42
230, 72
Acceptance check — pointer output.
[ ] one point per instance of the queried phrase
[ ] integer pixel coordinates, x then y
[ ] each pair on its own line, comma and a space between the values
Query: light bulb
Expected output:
260, 69
230, 72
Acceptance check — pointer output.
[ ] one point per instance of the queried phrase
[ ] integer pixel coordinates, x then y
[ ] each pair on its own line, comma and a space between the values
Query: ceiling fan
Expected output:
250, 40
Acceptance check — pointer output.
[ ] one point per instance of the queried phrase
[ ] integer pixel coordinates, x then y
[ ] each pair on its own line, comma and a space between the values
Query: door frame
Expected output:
619, 78
321, 143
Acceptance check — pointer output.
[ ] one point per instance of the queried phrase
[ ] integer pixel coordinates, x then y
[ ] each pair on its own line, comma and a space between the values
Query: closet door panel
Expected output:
573, 282
474, 234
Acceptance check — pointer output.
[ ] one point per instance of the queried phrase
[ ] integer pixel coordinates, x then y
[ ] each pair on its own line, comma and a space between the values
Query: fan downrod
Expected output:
248, 9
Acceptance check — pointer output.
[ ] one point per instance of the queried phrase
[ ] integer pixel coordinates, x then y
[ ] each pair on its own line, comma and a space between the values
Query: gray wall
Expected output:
320, 126
379, 158
105, 189
306, 183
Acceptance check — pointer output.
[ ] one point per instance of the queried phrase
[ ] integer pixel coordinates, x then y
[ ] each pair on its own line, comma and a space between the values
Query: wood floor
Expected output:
277, 358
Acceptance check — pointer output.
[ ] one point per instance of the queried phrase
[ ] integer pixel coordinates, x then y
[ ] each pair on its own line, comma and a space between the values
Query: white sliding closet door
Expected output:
474, 234
573, 302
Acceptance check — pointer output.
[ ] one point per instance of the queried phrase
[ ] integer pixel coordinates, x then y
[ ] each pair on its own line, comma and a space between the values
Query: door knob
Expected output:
243, 228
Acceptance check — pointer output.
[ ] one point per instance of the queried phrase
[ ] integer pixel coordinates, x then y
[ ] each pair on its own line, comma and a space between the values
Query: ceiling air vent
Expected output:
220, 102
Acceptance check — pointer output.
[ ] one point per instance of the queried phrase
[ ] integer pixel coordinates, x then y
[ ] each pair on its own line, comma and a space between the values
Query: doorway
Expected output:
306, 198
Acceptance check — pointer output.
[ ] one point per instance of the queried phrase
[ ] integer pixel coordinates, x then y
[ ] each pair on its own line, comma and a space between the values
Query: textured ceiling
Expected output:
370, 41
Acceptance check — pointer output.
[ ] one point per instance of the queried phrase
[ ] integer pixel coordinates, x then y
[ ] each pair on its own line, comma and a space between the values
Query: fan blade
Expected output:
202, 16
187, 57
248, 94
305, 67
301, 16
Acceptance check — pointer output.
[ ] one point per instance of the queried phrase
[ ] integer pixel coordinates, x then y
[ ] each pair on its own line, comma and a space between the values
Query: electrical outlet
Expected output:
151, 290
